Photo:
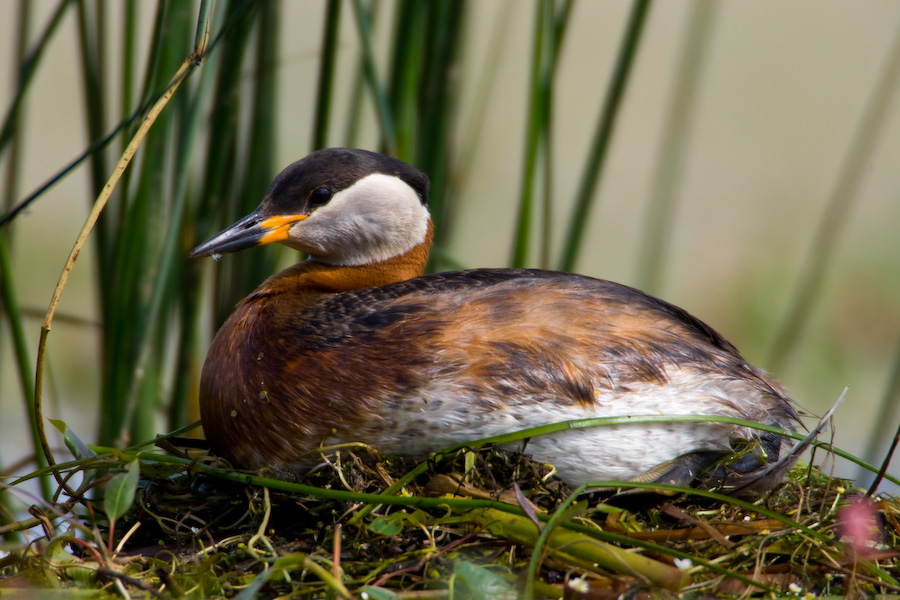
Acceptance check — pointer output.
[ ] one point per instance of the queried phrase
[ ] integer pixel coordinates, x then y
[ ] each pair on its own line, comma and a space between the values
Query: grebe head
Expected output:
341, 206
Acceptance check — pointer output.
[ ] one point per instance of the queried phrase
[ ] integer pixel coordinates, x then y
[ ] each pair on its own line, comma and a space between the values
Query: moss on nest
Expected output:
462, 526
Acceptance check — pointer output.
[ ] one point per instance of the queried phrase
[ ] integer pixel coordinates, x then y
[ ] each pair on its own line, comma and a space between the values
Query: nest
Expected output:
481, 523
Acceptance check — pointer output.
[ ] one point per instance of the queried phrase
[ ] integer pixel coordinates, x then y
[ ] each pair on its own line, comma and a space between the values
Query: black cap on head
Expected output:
336, 169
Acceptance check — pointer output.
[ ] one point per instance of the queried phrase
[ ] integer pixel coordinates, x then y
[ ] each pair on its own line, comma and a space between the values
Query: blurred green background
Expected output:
752, 140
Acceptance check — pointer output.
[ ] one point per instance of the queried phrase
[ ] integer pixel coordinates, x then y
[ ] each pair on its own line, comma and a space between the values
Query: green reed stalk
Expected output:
327, 68
26, 73
186, 296
535, 128
250, 156
13, 315
375, 83
835, 214
405, 76
672, 153
885, 416
443, 34
596, 157
10, 304
90, 40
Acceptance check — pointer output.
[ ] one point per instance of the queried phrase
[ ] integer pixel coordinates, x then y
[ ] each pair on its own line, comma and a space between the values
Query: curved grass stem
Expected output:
189, 64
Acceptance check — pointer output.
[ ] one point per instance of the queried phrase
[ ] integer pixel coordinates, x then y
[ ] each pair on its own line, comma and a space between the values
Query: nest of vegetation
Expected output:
468, 524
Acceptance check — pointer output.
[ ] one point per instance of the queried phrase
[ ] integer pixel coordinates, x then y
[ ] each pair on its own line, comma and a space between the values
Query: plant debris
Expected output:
483, 523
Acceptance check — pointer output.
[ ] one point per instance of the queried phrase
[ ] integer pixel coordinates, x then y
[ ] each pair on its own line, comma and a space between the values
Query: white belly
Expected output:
619, 452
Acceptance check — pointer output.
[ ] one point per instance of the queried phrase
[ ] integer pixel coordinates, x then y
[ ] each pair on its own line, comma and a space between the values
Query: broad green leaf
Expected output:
377, 593
120, 491
391, 524
479, 583
78, 448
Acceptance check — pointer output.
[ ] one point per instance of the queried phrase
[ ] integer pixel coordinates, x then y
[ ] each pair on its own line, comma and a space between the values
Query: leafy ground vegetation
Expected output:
171, 522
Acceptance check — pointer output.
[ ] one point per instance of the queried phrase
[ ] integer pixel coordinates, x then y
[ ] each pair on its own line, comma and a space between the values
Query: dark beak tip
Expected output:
243, 234
200, 251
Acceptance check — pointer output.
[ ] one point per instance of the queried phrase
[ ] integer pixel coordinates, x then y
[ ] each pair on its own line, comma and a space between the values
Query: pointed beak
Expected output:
255, 229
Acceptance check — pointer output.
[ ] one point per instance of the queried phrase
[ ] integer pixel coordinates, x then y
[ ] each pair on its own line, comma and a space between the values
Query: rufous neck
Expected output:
315, 276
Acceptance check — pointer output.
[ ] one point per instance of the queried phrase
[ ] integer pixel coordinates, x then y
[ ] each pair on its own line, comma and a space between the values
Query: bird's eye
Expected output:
320, 196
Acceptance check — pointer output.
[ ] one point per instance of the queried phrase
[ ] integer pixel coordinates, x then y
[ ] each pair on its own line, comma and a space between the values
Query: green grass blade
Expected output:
251, 171
536, 129
473, 128
204, 25
26, 74
376, 86
558, 517
885, 416
11, 182
9, 304
560, 26
406, 73
672, 153
129, 59
187, 294
603, 134
837, 210
90, 40
221, 201
327, 68
555, 35
157, 42
258, 164
175, 288
130, 385
22, 354
357, 94
114, 276
444, 33
90, 43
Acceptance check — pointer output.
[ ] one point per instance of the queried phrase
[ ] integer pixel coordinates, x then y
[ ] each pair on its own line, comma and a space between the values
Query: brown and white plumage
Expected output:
354, 344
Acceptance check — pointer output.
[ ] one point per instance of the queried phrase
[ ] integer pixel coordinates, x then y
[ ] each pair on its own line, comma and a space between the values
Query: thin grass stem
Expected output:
189, 272
90, 41
555, 519
483, 90
11, 182
129, 60
327, 67
835, 215
406, 73
436, 99
27, 72
552, 51
672, 155
596, 158
10, 305
382, 106
535, 128
884, 416
86, 229
22, 357
555, 34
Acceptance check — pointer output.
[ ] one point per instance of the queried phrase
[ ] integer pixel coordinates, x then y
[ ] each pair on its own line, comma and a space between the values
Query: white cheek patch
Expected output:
378, 217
